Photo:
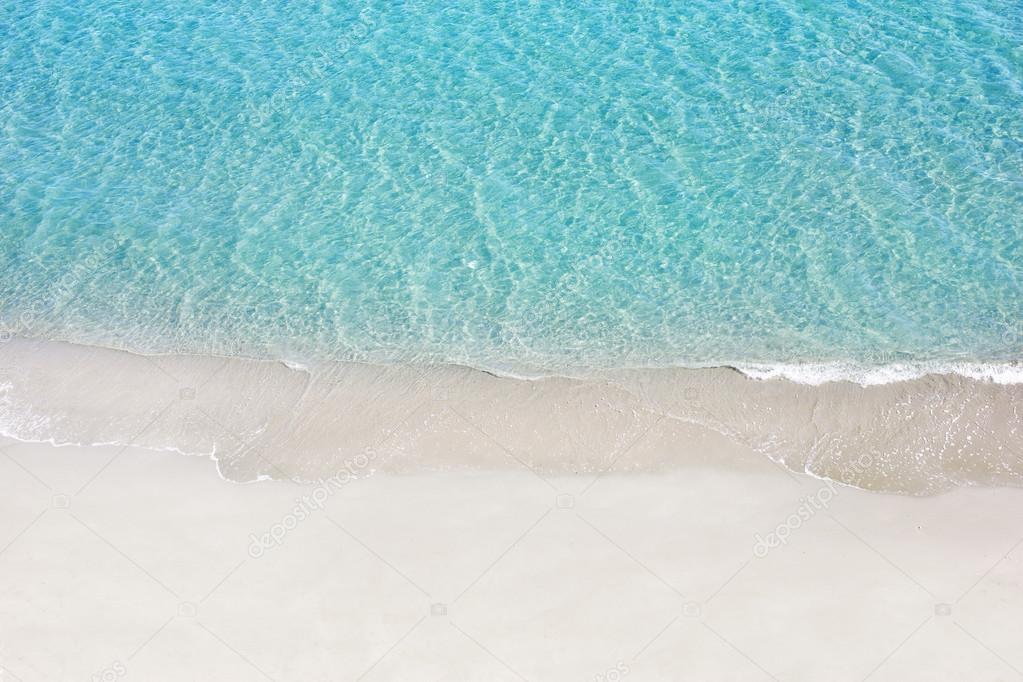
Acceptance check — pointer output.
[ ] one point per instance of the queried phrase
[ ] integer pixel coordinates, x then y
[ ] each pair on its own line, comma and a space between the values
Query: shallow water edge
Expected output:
261, 419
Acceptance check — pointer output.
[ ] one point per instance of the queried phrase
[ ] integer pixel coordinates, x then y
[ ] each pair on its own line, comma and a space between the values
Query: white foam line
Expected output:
865, 375
212, 454
812, 373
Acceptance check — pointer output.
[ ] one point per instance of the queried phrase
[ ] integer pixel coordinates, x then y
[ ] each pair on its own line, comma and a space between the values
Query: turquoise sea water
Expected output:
545, 186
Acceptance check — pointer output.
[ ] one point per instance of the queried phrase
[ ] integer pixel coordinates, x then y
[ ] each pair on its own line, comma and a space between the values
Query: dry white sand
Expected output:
120, 563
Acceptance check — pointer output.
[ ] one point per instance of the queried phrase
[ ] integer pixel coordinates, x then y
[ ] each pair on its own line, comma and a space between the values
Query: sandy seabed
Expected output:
448, 524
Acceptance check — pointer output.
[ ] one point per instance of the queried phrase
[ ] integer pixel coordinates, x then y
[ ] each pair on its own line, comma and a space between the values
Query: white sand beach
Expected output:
451, 525
431, 341
123, 563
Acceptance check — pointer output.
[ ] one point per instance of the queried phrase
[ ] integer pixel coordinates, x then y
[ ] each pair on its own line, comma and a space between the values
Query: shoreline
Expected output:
263, 419
814, 371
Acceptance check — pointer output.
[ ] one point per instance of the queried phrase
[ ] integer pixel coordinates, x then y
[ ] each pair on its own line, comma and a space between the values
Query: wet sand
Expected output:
262, 420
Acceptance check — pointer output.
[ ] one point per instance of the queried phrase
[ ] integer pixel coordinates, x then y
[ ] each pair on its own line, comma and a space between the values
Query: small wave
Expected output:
817, 373
809, 373
813, 373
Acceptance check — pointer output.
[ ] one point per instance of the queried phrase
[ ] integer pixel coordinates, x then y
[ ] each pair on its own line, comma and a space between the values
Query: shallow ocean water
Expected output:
516, 186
